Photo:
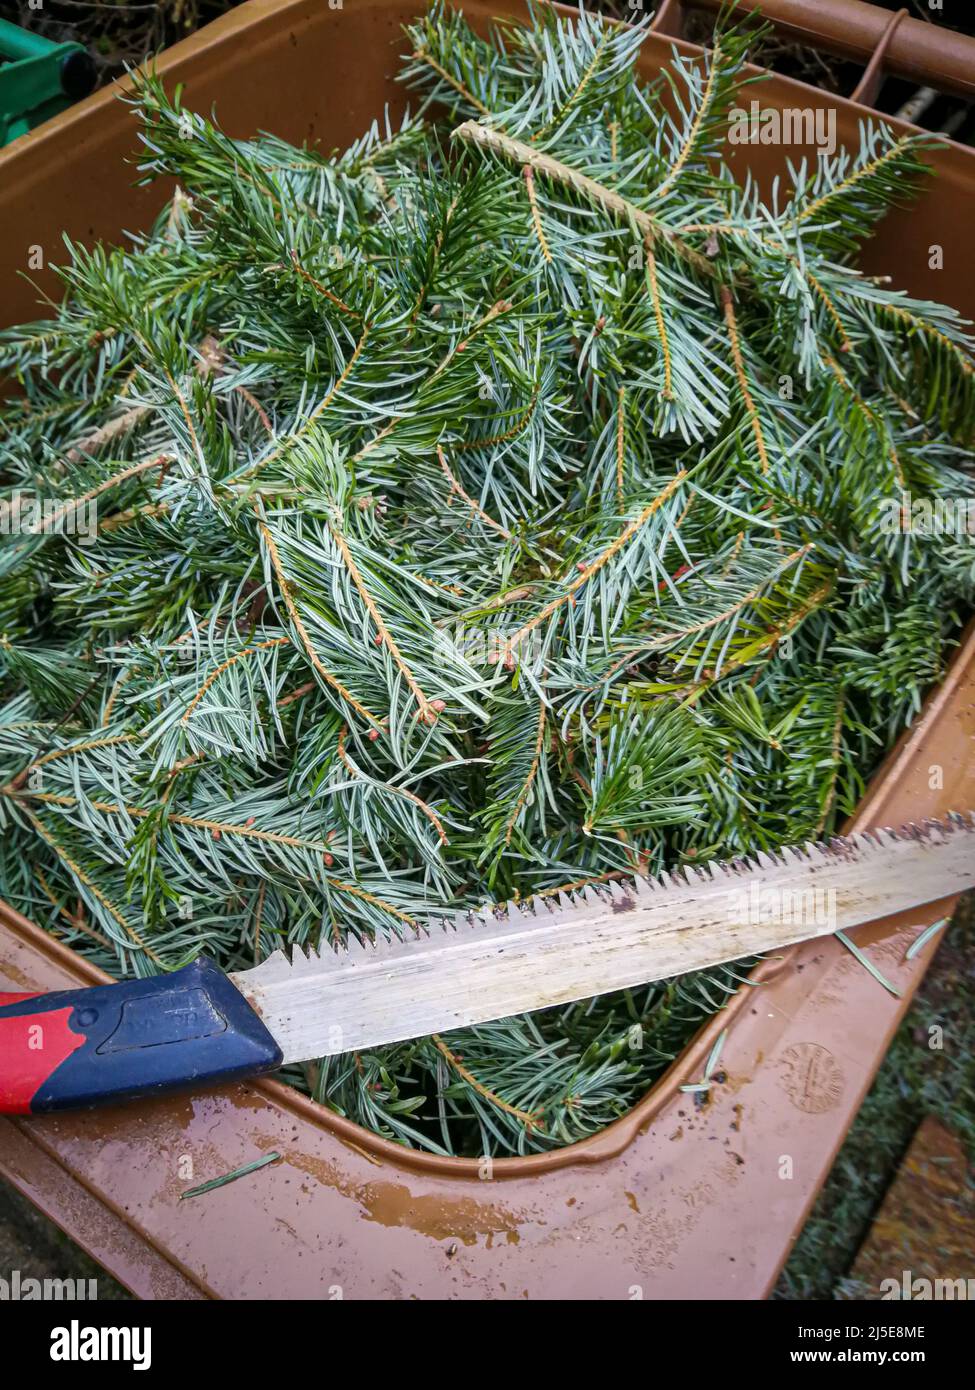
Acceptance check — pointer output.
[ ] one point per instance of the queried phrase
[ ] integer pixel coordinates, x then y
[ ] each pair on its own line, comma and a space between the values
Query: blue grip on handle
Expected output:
146, 1037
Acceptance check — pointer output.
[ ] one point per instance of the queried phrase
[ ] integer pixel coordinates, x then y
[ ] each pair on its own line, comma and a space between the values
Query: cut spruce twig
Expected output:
226, 1178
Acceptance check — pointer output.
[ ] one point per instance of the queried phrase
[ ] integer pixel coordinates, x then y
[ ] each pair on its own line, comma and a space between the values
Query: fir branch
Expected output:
690, 143
427, 710
289, 441
321, 289
585, 80
526, 786
530, 1121
86, 882
861, 176
475, 508
588, 571
728, 305
52, 520
598, 194
412, 797
74, 920
422, 56
225, 666
871, 415
284, 588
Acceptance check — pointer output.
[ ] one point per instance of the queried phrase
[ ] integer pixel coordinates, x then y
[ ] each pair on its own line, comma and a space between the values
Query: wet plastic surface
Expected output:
676, 1199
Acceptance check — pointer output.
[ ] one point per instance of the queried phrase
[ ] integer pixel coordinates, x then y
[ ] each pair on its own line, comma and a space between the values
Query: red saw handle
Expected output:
79, 1047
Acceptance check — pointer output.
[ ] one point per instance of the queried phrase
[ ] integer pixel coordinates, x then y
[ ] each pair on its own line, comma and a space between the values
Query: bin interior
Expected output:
309, 73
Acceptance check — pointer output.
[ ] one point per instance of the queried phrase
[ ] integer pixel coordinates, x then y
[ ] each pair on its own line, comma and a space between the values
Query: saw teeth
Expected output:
538, 912
354, 947
277, 966
299, 961
621, 892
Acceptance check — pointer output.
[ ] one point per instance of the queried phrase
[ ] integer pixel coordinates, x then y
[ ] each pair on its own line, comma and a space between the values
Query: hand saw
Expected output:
198, 1026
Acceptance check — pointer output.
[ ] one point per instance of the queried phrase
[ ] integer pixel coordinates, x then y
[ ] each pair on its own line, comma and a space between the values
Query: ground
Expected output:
34, 1246
915, 1080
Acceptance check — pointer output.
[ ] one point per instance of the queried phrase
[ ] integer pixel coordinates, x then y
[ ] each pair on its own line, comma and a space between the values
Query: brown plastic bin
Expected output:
672, 1201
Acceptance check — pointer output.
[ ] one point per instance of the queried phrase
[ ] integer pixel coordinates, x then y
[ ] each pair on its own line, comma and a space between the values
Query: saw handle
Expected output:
81, 1047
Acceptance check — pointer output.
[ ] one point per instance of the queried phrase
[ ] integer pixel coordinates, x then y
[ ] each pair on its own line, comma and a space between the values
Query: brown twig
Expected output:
667, 393
107, 433
530, 1121
284, 586
588, 571
606, 198
620, 445
258, 913
728, 304
529, 177
426, 711
474, 506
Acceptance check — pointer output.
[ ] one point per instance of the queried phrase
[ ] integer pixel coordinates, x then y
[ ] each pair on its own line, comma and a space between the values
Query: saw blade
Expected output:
508, 960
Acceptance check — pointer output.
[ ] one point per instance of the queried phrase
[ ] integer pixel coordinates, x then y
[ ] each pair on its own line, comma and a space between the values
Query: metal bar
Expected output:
924, 52
16, 43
